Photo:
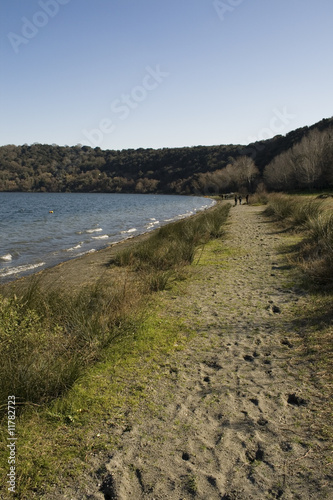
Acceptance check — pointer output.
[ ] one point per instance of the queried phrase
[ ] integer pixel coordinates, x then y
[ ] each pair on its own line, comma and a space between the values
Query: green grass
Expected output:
175, 245
64, 434
48, 339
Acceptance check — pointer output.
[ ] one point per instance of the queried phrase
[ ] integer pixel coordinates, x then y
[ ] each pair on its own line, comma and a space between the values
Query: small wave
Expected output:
152, 224
129, 231
20, 269
97, 230
102, 237
6, 258
74, 248
85, 253
89, 231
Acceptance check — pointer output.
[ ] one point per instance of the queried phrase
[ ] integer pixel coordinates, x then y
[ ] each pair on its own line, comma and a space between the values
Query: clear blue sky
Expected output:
162, 73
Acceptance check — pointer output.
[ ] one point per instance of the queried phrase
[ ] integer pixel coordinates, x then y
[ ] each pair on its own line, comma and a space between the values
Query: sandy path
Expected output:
232, 419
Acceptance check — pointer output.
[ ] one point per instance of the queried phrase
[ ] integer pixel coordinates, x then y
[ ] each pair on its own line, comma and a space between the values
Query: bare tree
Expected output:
308, 164
244, 171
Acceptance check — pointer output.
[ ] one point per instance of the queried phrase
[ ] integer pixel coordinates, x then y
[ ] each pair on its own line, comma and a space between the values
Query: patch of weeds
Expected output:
190, 484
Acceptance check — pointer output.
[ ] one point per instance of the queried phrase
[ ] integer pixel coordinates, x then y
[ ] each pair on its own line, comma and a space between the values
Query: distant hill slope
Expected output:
53, 168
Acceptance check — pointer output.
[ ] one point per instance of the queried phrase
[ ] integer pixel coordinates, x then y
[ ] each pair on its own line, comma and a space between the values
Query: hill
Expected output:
187, 170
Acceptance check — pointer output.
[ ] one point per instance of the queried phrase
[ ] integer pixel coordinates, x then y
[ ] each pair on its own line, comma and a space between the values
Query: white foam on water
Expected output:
6, 258
85, 253
129, 231
152, 224
102, 237
97, 230
74, 248
20, 269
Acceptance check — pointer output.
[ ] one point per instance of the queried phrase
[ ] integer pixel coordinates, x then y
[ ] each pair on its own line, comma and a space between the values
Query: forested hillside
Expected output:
301, 159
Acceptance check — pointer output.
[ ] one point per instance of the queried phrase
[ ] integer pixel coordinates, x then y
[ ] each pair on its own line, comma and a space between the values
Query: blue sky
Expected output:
162, 73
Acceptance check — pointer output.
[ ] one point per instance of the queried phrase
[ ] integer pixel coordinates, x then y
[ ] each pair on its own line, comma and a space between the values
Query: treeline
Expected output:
284, 162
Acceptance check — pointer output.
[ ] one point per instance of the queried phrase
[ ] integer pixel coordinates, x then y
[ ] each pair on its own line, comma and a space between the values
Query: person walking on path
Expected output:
240, 199
235, 199
247, 199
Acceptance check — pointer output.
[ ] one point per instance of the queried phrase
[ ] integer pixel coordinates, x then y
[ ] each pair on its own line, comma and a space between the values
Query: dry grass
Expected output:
314, 218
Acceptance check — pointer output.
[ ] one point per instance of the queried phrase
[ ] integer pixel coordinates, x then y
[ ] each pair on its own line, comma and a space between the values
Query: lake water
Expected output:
39, 230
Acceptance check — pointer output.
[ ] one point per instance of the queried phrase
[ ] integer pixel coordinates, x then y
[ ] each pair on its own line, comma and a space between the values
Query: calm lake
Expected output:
39, 230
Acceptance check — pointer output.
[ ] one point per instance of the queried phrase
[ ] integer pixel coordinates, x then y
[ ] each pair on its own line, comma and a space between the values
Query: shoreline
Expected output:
86, 269
68, 274
47, 257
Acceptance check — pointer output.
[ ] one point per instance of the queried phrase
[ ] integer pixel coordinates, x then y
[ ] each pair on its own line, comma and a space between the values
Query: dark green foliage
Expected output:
188, 170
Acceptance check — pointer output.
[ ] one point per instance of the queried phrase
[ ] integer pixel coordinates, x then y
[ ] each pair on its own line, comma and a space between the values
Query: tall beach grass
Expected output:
48, 339
313, 217
168, 250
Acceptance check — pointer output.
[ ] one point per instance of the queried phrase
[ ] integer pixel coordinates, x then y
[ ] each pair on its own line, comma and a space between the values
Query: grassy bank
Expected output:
60, 351
312, 217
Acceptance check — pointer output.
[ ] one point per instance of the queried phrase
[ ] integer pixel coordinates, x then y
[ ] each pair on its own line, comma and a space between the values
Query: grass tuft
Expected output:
315, 219
48, 339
